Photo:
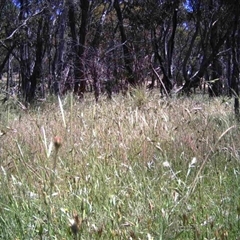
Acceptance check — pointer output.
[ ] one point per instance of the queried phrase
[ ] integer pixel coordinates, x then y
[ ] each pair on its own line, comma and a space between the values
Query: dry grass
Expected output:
136, 167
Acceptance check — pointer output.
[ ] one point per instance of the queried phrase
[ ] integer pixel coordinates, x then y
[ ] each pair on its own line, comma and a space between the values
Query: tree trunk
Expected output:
215, 87
9, 52
126, 53
93, 54
24, 52
236, 62
171, 40
80, 81
166, 80
37, 70
58, 65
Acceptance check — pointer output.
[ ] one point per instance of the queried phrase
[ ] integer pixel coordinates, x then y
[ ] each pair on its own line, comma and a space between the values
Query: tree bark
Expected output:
236, 62
80, 81
37, 70
166, 80
126, 53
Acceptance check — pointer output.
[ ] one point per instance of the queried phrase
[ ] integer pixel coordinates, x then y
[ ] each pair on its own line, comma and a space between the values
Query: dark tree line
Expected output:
106, 46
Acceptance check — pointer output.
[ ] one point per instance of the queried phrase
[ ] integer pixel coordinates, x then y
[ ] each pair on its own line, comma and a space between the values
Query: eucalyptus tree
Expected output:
125, 44
36, 38
95, 57
78, 10
235, 57
57, 52
213, 22
8, 11
158, 21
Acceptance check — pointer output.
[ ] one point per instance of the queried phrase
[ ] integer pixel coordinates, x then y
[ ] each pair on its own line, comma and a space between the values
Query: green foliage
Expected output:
134, 168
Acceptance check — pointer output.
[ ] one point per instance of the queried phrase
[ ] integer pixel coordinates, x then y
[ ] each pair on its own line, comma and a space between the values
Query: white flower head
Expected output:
166, 164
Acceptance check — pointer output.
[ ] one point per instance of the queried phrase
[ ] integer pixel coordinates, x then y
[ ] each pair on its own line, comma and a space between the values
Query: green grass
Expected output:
136, 167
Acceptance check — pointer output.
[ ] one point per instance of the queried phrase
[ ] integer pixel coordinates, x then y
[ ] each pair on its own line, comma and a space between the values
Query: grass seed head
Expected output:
57, 142
75, 223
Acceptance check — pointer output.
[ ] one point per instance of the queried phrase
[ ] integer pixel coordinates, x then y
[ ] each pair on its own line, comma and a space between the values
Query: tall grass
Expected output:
136, 167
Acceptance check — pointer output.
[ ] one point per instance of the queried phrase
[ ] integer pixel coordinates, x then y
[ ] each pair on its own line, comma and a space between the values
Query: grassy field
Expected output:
136, 167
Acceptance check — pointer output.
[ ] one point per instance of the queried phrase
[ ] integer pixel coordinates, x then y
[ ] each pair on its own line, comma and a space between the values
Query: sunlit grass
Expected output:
136, 167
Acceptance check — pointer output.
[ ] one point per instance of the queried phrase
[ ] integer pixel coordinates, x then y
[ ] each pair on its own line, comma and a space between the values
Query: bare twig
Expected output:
23, 24
155, 72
